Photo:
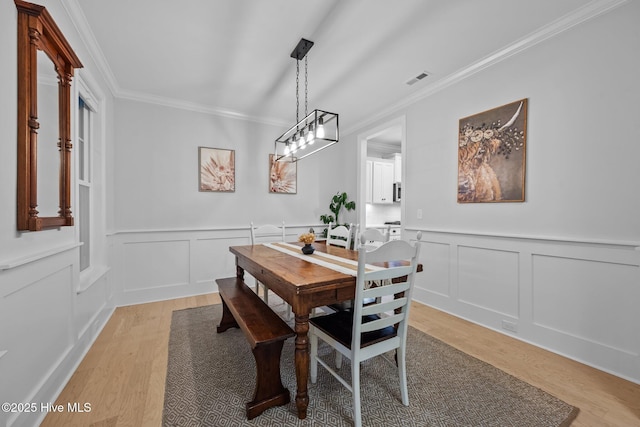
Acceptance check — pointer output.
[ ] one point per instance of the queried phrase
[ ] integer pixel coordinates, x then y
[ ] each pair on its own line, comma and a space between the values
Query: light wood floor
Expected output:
123, 374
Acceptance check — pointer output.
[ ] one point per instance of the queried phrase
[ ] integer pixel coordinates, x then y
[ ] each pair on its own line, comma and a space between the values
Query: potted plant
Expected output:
338, 201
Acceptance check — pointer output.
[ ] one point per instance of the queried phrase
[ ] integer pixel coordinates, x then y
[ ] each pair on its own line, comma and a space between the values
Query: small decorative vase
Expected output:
308, 249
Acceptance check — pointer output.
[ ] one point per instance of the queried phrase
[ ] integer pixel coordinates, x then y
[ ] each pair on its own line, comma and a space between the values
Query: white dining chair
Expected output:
339, 236
374, 329
266, 233
373, 237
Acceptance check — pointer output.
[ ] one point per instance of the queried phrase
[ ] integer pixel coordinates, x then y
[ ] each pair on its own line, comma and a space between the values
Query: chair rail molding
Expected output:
17, 262
557, 239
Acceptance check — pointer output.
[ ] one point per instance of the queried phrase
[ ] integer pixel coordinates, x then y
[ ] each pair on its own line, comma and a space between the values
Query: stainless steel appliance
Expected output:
397, 191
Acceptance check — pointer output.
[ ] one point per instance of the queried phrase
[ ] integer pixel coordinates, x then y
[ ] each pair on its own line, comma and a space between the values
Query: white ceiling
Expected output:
233, 56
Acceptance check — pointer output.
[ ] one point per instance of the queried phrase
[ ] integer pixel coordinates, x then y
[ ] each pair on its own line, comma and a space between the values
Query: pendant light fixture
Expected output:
316, 131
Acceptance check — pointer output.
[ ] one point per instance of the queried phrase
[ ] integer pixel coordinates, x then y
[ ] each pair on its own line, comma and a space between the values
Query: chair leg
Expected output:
338, 360
313, 365
402, 372
355, 385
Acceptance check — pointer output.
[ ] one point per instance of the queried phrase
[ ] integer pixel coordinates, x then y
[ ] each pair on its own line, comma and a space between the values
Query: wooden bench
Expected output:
266, 333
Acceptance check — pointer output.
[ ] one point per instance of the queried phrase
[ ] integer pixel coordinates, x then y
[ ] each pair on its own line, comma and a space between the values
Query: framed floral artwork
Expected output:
283, 176
492, 155
217, 169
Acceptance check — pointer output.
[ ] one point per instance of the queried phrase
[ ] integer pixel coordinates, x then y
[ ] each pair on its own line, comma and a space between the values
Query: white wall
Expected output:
172, 240
49, 313
562, 268
156, 182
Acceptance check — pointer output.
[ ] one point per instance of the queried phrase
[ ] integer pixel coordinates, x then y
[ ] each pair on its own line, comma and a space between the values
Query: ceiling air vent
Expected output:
417, 78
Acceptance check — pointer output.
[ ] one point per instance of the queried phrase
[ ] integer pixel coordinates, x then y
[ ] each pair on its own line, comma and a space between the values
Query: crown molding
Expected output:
583, 14
565, 23
196, 107
79, 20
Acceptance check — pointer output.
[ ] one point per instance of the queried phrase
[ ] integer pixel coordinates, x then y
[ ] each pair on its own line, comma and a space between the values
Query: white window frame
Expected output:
93, 98
84, 166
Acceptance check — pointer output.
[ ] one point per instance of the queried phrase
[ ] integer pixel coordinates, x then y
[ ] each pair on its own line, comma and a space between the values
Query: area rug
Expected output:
211, 376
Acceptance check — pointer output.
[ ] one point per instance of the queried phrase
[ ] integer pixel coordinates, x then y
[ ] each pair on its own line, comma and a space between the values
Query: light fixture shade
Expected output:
316, 120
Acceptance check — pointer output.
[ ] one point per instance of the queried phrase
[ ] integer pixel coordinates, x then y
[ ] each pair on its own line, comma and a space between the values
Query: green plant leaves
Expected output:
338, 201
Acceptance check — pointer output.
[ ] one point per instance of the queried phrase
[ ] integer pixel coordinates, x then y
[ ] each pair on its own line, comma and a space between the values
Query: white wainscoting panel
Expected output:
164, 264
46, 327
575, 298
436, 268
151, 264
36, 320
212, 259
592, 305
488, 279
91, 304
595, 301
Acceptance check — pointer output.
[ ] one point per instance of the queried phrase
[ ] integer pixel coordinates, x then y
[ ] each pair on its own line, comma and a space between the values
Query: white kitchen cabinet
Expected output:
382, 182
397, 167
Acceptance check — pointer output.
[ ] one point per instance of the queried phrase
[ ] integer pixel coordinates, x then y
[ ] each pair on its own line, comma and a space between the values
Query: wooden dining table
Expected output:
304, 285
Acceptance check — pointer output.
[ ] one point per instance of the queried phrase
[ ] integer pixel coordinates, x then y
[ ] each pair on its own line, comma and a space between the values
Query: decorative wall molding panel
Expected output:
56, 330
578, 299
165, 264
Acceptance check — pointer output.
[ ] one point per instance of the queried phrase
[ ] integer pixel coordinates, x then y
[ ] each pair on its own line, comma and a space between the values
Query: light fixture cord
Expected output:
306, 86
297, 91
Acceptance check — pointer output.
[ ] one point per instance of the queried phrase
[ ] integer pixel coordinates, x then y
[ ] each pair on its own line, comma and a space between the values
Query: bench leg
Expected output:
269, 389
227, 320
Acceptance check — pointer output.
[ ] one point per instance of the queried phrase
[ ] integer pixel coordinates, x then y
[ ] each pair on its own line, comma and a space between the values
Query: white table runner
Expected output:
336, 263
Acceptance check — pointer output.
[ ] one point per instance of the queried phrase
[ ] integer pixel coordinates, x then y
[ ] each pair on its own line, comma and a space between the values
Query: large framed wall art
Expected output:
283, 176
217, 169
492, 155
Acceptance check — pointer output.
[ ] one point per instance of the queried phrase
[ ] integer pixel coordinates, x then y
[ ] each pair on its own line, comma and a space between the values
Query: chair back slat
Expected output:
382, 323
394, 250
388, 273
383, 307
390, 289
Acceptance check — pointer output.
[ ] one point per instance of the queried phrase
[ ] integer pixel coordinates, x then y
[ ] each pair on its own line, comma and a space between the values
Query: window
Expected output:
84, 149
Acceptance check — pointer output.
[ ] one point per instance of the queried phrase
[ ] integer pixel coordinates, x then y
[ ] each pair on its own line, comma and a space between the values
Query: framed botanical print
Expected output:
283, 176
492, 155
217, 169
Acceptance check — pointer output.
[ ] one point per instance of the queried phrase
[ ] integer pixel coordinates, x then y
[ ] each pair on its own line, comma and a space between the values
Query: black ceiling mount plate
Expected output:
301, 49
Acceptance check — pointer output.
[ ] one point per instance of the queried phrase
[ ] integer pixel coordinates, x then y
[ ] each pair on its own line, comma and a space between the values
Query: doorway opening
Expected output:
381, 173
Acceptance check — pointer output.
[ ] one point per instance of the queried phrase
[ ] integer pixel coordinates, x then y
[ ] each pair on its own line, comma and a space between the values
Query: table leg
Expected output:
239, 271
302, 363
